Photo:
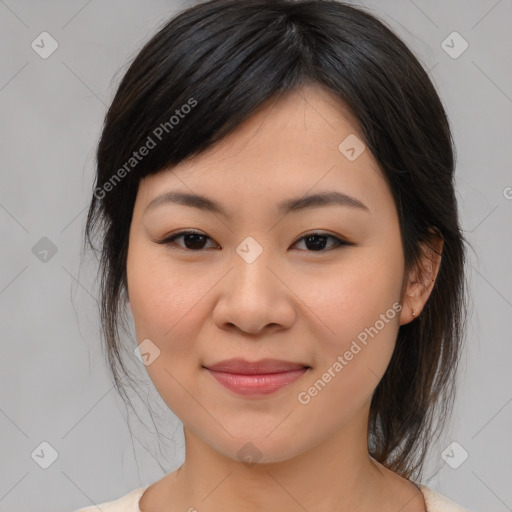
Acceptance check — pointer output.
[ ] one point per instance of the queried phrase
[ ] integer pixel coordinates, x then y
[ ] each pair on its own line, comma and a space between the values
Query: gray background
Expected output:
54, 384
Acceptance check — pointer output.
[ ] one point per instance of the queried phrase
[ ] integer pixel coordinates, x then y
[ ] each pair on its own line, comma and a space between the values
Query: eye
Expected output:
195, 241
317, 241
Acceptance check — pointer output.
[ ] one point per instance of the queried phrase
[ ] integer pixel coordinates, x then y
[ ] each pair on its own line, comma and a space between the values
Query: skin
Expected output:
293, 303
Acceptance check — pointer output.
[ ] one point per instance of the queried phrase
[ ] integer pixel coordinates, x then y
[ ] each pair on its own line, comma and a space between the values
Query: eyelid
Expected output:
170, 238
324, 233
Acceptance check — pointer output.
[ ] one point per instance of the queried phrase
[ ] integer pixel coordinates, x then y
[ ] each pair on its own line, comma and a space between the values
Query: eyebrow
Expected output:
290, 205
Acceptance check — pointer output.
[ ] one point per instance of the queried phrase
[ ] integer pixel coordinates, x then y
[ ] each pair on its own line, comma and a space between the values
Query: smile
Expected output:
257, 384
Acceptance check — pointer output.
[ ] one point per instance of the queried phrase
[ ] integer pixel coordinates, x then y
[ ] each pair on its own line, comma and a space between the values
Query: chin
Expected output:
257, 448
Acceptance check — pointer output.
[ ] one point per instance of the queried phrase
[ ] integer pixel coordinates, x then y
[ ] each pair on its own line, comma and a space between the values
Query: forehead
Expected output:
291, 146
309, 118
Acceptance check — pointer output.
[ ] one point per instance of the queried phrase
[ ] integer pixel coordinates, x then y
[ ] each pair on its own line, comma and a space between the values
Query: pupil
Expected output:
316, 246
196, 242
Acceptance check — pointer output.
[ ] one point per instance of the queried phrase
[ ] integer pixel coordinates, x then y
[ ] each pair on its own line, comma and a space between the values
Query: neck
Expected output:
336, 475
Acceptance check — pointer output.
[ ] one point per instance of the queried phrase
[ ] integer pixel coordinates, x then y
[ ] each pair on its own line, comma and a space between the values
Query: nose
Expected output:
254, 297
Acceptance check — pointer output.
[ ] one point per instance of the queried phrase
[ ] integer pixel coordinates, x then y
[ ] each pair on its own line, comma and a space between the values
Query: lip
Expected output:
256, 378
263, 366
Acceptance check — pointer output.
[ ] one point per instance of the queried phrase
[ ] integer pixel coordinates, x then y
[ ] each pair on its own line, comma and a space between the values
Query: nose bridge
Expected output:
251, 264
253, 297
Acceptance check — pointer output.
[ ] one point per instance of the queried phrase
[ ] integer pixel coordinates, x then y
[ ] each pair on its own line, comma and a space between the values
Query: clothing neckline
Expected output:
425, 491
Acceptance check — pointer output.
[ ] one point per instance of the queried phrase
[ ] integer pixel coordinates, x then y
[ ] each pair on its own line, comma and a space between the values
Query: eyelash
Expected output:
170, 240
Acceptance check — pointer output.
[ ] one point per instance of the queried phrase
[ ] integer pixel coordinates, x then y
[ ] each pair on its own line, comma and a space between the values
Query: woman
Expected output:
274, 200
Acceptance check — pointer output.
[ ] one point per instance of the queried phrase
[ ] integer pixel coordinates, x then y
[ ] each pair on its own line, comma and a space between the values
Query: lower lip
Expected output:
254, 385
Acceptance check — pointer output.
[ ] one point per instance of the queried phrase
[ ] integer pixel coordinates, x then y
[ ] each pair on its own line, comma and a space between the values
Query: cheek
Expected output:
357, 311
162, 296
165, 303
170, 306
353, 294
360, 314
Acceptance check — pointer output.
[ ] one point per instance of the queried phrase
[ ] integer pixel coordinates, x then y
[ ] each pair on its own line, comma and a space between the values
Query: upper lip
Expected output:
262, 366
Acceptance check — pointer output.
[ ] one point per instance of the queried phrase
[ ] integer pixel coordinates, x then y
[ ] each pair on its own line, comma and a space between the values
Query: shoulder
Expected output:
127, 503
438, 503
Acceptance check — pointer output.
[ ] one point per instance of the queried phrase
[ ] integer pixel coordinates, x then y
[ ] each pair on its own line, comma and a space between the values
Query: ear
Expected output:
422, 277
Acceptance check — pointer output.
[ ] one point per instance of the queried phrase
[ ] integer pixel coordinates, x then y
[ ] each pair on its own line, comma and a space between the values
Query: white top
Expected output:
130, 503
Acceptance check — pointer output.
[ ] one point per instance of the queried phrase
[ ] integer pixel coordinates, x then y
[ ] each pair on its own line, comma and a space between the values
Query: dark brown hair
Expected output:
225, 59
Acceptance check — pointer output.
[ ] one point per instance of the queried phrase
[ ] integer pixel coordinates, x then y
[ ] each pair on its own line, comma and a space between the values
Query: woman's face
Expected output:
254, 286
